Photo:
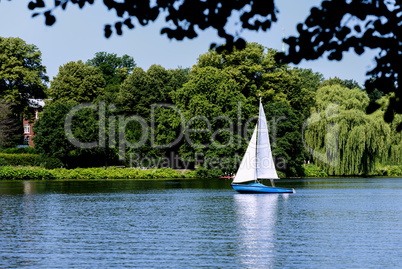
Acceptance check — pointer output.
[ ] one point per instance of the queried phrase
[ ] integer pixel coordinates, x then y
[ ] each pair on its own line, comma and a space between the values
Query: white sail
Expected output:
257, 162
247, 169
265, 163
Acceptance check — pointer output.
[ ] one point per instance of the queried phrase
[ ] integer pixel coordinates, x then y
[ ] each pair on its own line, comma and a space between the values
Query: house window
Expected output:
27, 128
36, 114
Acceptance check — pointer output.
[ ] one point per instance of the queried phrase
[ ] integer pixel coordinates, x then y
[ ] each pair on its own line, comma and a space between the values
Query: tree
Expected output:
254, 68
52, 139
346, 83
338, 26
139, 96
142, 89
114, 69
342, 139
10, 130
22, 75
301, 90
210, 101
77, 81
220, 102
286, 141
182, 17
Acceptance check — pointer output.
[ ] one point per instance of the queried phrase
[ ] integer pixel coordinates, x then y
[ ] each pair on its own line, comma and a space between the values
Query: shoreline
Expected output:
13, 173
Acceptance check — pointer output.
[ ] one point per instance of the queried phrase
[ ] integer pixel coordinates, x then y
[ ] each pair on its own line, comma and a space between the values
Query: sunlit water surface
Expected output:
331, 223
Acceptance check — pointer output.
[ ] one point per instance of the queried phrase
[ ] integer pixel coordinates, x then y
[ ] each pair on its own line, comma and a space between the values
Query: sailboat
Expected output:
257, 163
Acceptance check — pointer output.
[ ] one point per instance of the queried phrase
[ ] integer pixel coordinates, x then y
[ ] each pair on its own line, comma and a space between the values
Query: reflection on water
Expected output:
348, 223
256, 219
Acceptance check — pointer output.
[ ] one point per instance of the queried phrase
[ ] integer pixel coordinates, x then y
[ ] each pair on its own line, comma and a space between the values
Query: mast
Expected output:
256, 141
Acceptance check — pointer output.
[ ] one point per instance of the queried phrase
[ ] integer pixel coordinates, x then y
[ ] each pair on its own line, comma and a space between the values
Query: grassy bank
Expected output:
38, 173
312, 170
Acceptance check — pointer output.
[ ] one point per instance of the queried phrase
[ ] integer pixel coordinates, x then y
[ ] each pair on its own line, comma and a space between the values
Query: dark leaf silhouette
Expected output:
184, 18
50, 19
338, 26
331, 29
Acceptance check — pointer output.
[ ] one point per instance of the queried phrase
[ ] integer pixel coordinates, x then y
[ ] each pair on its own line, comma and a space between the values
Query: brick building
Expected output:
28, 123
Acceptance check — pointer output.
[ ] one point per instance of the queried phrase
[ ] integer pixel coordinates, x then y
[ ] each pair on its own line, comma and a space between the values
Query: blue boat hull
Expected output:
259, 188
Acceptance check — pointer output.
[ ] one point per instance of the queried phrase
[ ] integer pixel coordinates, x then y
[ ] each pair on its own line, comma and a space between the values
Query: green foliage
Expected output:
50, 138
143, 94
116, 173
395, 150
389, 170
22, 75
47, 162
342, 139
253, 68
346, 83
312, 170
142, 89
22, 159
3, 161
207, 114
202, 172
78, 82
24, 173
301, 91
343, 97
220, 103
285, 136
52, 141
29, 150
190, 174
114, 70
35, 173
10, 126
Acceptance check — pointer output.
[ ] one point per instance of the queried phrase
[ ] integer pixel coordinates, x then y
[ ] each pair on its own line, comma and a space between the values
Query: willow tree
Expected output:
341, 137
395, 150
395, 142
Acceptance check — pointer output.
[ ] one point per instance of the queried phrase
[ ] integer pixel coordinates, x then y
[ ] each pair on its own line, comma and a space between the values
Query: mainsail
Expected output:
265, 162
257, 162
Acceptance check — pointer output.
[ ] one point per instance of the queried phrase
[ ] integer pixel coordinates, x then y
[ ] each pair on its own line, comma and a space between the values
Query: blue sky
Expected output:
78, 35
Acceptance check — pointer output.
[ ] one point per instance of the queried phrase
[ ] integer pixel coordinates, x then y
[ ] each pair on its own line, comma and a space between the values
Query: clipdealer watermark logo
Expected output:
112, 133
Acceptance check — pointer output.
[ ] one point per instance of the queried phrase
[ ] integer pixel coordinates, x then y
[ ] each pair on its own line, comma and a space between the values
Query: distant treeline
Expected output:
108, 112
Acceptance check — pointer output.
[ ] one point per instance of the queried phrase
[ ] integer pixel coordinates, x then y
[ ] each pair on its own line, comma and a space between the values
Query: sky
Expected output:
78, 35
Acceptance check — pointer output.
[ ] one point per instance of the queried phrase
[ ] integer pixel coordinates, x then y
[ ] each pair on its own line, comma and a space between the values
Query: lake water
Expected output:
331, 223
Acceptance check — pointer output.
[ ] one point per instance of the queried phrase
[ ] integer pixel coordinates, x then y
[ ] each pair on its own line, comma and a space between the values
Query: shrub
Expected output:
312, 170
18, 150
202, 172
24, 173
48, 162
116, 173
190, 174
19, 159
389, 170
3, 161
